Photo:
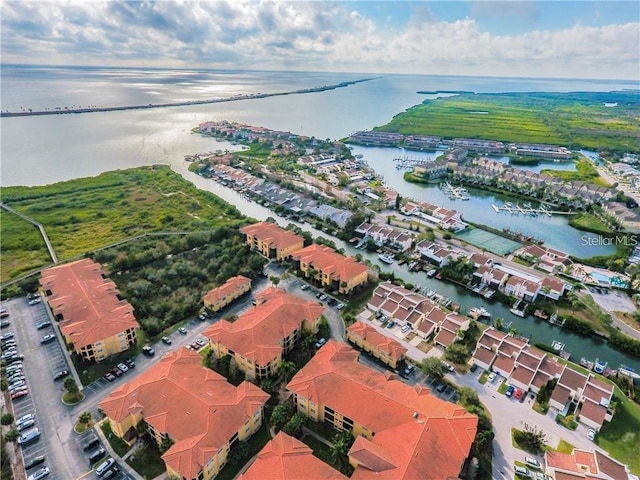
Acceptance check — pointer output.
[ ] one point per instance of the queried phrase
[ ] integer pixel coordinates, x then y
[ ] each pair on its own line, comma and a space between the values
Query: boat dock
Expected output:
527, 210
453, 192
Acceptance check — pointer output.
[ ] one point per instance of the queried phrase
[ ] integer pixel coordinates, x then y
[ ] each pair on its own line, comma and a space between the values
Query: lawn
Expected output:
256, 443
564, 446
117, 444
590, 223
621, 437
85, 214
146, 461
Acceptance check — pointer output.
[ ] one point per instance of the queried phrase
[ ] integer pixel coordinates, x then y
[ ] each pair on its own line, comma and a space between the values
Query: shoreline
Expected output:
252, 96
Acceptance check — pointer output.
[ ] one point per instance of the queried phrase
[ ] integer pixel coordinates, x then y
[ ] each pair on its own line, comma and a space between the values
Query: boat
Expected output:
517, 312
557, 346
386, 258
628, 371
586, 363
477, 312
599, 366
432, 272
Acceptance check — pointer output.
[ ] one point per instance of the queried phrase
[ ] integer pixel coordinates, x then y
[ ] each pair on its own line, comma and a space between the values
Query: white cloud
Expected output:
307, 36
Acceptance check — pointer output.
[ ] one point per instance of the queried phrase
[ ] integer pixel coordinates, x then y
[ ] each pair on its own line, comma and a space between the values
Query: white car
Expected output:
123, 367
491, 377
40, 473
591, 434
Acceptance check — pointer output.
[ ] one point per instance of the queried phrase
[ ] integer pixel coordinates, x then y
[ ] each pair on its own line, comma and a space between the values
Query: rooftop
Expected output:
327, 260
381, 342
270, 233
214, 296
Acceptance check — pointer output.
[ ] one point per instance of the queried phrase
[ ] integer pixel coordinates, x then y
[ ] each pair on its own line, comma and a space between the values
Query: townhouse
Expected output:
287, 458
331, 269
627, 218
333, 388
450, 329
271, 240
383, 235
584, 464
191, 408
522, 288
93, 319
260, 338
437, 253
540, 150
367, 338
219, 297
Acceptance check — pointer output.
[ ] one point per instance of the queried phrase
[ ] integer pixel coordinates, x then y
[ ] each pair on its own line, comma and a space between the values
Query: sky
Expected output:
553, 39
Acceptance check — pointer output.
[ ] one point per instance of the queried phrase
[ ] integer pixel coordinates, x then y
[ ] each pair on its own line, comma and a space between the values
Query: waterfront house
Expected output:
219, 297
271, 240
522, 288
550, 368
368, 339
526, 365
260, 338
378, 410
450, 329
583, 465
439, 254
94, 321
569, 390
328, 213
287, 458
189, 407
595, 402
331, 269
627, 218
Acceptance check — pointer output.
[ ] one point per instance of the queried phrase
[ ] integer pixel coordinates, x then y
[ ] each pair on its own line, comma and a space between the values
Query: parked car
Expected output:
25, 418
28, 437
61, 374
491, 377
182, 330
40, 473
323, 296
304, 287
41, 325
449, 367
123, 367
6, 336
110, 377
112, 472
331, 302
48, 338
90, 442
409, 370
116, 371
4, 323
532, 462
23, 426
19, 394
518, 394
4, 313
340, 306
321, 342
441, 388
166, 340
473, 368
35, 461
130, 363
405, 328
391, 324
201, 341
13, 359
104, 466
148, 351
521, 471
96, 455
591, 434
510, 390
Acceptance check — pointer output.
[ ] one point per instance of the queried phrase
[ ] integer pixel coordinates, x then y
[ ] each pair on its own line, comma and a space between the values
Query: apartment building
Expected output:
194, 407
379, 410
93, 319
271, 240
260, 337
380, 346
227, 293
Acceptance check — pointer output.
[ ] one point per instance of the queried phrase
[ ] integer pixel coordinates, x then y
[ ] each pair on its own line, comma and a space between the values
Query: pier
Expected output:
527, 210
453, 192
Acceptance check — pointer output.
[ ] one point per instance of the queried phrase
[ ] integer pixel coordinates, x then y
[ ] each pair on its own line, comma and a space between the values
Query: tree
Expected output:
84, 417
267, 385
71, 386
281, 415
308, 343
457, 353
274, 280
6, 419
340, 446
468, 397
239, 453
12, 435
287, 369
498, 323
531, 438
165, 444
294, 426
434, 367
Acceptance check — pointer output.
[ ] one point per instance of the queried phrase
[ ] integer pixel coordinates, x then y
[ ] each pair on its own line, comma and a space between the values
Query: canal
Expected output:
536, 330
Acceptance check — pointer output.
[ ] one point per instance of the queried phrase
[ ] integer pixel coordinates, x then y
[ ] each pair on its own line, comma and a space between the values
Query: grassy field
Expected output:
84, 214
590, 223
575, 120
584, 172
621, 437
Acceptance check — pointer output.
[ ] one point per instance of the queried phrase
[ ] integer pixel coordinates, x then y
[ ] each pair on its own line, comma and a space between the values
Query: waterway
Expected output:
538, 331
555, 230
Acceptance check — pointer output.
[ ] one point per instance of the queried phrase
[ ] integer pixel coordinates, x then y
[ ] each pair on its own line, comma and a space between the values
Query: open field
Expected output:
84, 214
575, 120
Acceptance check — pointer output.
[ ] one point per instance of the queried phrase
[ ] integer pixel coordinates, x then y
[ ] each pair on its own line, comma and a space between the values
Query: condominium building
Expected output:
271, 240
225, 294
189, 407
380, 346
93, 319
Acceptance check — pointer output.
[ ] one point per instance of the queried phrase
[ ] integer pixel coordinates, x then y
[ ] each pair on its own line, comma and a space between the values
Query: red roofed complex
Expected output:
401, 431
262, 335
94, 320
375, 343
223, 295
196, 408
584, 464
286, 458
331, 269
271, 240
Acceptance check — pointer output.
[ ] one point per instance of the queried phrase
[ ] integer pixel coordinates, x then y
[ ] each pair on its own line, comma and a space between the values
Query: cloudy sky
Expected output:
572, 39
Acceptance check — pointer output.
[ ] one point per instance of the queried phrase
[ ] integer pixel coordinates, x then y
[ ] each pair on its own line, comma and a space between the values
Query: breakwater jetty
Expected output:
62, 111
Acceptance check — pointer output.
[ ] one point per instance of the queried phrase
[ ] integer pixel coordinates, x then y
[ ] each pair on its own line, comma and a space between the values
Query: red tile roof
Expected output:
593, 411
484, 355
328, 261
88, 302
229, 287
258, 333
445, 337
436, 435
572, 379
611, 467
273, 235
195, 406
370, 335
286, 458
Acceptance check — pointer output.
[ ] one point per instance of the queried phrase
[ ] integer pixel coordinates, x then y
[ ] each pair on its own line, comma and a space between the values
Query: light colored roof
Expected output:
329, 261
229, 287
275, 236
376, 339
88, 302
286, 458
436, 435
257, 334
195, 406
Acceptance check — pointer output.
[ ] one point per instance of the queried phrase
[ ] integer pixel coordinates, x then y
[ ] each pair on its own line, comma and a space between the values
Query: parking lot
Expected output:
84, 439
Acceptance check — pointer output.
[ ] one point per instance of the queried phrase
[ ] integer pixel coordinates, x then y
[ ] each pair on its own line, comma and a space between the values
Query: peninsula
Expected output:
60, 111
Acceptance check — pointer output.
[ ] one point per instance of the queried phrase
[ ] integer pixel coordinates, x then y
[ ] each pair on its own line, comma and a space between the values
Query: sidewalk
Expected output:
107, 446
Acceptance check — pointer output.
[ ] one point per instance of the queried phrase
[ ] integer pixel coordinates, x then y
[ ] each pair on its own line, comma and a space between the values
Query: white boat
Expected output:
517, 312
558, 346
431, 272
477, 312
628, 371
599, 366
386, 258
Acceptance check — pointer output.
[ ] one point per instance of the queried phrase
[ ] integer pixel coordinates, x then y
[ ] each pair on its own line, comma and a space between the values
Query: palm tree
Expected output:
274, 280
84, 417
287, 369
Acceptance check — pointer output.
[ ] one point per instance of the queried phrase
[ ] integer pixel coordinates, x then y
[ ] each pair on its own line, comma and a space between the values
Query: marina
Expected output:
527, 210
453, 192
